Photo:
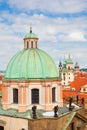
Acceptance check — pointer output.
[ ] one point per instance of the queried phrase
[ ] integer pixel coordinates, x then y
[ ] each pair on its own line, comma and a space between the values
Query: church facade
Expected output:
67, 71
31, 78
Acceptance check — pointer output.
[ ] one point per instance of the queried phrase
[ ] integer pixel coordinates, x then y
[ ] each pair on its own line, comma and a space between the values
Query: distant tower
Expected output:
76, 67
69, 65
60, 68
67, 71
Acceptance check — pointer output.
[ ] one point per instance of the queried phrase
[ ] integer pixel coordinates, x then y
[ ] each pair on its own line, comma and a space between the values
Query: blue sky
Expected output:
61, 26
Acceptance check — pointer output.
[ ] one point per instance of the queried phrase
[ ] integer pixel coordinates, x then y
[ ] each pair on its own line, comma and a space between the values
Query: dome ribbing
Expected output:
31, 64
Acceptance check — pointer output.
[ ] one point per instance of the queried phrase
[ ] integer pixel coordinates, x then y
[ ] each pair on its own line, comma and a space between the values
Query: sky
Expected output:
61, 26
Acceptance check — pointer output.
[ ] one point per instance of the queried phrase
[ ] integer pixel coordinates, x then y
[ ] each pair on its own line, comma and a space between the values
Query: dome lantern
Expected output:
30, 40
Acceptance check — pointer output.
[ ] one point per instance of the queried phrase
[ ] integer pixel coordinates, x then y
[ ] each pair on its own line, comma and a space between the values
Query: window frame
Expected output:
35, 96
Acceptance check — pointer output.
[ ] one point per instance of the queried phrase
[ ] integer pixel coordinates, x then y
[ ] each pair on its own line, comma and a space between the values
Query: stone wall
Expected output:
11, 123
47, 123
57, 123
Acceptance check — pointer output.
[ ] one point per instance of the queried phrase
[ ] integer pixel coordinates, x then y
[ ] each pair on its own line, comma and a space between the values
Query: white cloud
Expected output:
58, 6
77, 36
49, 30
74, 36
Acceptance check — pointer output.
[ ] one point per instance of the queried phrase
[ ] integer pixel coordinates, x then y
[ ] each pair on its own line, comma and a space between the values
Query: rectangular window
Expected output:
15, 95
35, 96
53, 94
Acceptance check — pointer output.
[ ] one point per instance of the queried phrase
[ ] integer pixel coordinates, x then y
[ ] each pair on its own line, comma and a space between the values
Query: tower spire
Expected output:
69, 56
30, 28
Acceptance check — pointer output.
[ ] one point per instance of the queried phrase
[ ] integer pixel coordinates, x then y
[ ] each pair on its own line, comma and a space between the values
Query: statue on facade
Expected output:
34, 112
70, 104
55, 111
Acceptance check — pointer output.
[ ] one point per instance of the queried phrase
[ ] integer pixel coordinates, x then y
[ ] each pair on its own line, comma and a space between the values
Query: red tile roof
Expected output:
69, 93
80, 74
78, 83
1, 77
0, 87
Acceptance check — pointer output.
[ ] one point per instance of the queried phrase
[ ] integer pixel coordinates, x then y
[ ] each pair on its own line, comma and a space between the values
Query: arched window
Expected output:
31, 44
27, 44
53, 95
64, 78
15, 95
35, 96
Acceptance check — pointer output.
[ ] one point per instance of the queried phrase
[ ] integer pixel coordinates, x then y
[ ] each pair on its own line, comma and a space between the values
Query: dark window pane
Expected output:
1, 128
35, 96
15, 95
53, 94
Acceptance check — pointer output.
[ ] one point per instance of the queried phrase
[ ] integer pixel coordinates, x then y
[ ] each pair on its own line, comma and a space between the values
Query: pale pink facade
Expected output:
25, 95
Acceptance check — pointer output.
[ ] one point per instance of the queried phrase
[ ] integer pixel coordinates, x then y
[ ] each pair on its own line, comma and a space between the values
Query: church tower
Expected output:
60, 68
76, 67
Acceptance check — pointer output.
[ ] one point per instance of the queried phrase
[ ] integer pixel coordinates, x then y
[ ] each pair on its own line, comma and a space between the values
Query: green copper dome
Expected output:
69, 61
31, 64
30, 35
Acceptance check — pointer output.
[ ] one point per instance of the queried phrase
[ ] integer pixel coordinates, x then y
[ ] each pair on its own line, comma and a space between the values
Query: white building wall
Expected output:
43, 95
69, 77
10, 97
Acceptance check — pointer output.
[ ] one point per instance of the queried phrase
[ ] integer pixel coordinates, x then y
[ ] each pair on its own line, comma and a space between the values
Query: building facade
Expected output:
31, 78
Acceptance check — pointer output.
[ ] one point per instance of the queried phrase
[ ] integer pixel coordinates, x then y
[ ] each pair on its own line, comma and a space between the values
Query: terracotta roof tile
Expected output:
78, 83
